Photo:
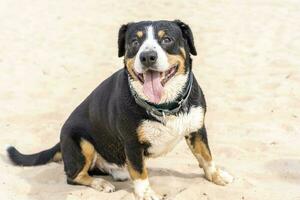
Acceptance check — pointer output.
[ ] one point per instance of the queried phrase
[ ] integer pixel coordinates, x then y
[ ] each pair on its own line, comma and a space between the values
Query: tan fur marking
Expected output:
182, 51
139, 34
129, 64
134, 174
177, 59
141, 135
161, 33
88, 151
83, 179
200, 148
57, 157
200, 151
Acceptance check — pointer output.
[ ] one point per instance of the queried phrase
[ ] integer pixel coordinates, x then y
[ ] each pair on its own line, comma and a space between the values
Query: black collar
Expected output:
162, 110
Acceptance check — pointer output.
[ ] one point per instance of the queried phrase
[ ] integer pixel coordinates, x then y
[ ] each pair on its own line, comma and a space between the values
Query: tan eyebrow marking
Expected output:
161, 33
140, 34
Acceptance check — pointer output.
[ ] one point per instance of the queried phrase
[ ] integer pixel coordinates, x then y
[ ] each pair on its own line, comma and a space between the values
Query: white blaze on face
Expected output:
151, 44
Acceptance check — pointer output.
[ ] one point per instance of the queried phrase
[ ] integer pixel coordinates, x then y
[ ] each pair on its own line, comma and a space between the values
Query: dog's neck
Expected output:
173, 107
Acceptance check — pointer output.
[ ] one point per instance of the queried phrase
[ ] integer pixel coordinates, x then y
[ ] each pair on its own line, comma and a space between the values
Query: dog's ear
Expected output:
121, 39
187, 35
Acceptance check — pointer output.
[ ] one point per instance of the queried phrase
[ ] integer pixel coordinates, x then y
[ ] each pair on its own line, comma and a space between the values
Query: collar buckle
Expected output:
180, 103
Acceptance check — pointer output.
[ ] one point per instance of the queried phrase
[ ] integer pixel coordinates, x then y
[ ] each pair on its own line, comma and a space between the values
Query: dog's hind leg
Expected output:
197, 141
78, 159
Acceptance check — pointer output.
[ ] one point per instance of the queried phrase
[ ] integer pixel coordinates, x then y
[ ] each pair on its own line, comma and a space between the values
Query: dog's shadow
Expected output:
50, 180
173, 173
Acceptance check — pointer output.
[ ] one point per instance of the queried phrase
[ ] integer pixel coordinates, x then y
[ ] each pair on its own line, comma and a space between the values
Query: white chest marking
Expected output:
163, 138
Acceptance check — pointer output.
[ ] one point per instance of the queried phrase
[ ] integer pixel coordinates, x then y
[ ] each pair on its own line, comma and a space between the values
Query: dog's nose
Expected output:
148, 58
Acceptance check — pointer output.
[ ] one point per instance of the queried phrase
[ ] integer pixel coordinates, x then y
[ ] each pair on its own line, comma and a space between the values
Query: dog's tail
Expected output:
43, 157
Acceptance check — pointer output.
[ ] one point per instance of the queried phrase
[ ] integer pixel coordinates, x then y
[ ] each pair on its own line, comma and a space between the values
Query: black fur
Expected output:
32, 159
121, 40
188, 35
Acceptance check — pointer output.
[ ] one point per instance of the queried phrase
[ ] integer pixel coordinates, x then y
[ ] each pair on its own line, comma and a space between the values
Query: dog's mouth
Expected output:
164, 76
154, 81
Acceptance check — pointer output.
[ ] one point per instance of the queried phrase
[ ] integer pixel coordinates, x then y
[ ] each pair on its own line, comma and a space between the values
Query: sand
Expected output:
54, 53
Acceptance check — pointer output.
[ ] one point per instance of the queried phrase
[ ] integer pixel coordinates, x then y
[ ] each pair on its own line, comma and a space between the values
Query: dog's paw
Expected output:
149, 194
143, 191
221, 177
102, 185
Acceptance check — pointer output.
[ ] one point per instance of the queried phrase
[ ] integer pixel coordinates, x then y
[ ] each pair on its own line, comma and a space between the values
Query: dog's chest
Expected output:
163, 138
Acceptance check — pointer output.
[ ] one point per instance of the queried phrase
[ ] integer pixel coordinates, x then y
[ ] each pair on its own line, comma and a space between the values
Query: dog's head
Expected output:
157, 57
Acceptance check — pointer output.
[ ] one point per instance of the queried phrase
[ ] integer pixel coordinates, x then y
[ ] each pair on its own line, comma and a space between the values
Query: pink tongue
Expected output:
152, 87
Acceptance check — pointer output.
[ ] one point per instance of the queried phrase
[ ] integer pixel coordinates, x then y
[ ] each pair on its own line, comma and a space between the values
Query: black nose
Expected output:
148, 58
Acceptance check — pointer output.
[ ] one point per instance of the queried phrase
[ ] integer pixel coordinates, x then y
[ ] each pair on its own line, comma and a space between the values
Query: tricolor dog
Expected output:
141, 111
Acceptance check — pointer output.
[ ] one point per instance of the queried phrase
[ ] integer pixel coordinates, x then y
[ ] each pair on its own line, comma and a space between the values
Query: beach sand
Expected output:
54, 53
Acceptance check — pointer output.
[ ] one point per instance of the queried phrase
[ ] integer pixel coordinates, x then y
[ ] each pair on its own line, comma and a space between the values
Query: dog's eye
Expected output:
166, 40
135, 42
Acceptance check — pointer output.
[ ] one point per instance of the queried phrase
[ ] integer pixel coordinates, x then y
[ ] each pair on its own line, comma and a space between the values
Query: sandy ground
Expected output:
54, 53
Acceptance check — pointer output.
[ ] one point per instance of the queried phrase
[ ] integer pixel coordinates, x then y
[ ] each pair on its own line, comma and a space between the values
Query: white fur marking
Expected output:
140, 186
102, 164
143, 190
211, 170
120, 174
163, 138
226, 176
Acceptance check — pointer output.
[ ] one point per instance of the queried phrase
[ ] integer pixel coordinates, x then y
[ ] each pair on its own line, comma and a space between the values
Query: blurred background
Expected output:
54, 53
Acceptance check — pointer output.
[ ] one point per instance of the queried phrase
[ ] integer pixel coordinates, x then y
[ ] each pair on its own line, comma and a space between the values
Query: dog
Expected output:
141, 111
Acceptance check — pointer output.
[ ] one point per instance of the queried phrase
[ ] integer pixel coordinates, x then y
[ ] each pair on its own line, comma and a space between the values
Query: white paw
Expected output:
149, 194
143, 191
221, 177
102, 185
228, 178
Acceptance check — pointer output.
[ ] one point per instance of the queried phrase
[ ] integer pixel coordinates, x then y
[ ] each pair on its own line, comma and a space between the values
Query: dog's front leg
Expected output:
138, 173
197, 141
